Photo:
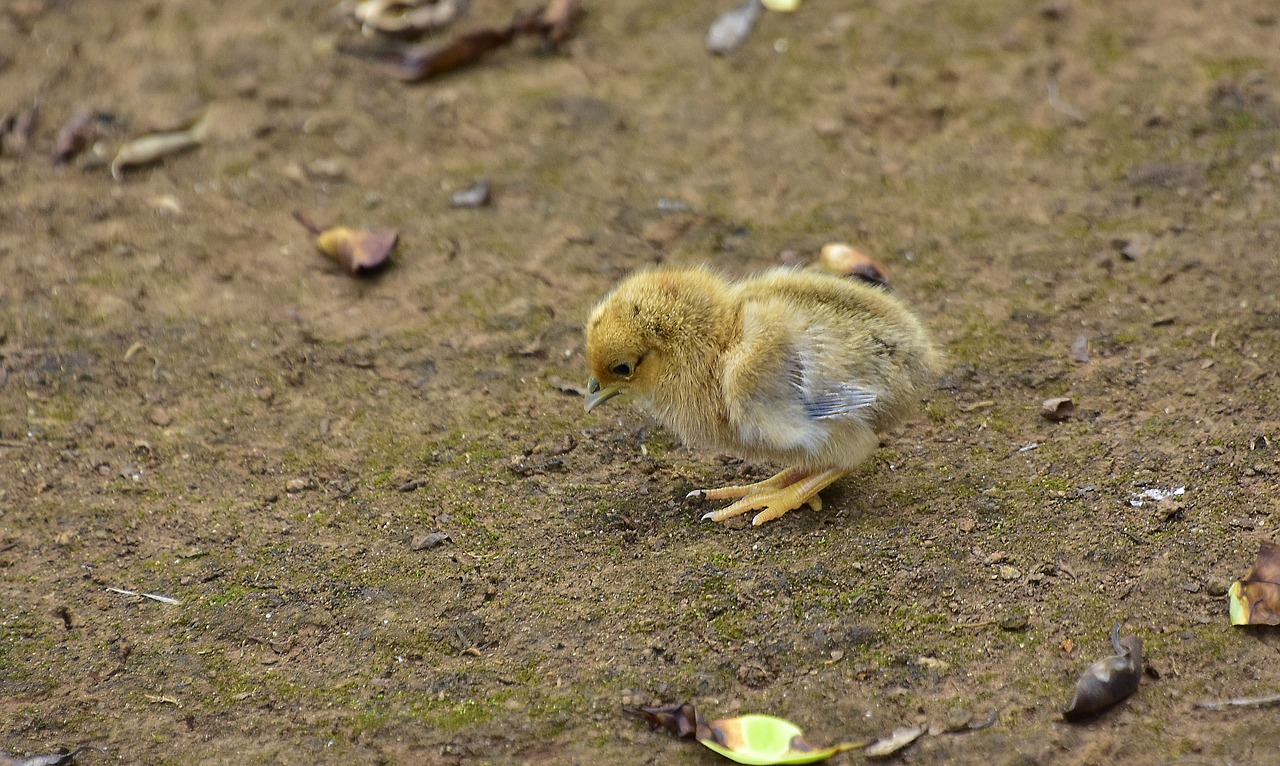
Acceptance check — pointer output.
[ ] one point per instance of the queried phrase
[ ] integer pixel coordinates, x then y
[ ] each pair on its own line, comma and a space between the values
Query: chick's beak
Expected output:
596, 394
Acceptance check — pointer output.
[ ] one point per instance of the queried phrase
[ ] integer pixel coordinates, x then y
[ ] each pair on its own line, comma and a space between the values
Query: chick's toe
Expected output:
781, 479
778, 495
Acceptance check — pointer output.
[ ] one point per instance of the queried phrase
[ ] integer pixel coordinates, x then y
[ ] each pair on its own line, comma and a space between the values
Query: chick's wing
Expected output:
783, 383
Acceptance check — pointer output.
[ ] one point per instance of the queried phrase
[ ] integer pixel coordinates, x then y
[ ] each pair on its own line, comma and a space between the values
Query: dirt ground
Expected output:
195, 403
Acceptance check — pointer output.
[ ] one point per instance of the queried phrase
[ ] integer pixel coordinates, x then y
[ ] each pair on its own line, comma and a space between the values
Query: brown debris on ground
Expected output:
197, 406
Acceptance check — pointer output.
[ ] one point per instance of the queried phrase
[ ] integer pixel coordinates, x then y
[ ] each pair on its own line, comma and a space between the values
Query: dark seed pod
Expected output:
1109, 680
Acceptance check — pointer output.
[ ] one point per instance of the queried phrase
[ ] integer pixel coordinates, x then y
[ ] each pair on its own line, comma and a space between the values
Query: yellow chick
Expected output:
795, 367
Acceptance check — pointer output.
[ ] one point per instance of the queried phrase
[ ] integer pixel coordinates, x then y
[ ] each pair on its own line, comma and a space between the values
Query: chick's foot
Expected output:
784, 492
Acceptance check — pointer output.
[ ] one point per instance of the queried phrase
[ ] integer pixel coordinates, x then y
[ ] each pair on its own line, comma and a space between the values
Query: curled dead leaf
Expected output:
359, 251
1255, 600
1109, 680
59, 758
897, 740
154, 147
77, 133
554, 25
1057, 408
680, 719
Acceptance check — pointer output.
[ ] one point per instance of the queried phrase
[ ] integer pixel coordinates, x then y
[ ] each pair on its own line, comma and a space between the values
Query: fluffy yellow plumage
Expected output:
794, 367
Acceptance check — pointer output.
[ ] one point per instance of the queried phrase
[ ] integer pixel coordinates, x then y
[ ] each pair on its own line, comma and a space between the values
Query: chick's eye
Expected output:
621, 369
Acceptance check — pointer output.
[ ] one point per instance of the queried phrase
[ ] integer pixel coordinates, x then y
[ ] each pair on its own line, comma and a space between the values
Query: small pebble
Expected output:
426, 542
1133, 247
828, 127
1080, 349
733, 27
478, 194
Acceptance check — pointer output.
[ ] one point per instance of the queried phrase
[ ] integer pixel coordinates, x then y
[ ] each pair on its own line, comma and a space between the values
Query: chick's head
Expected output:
648, 320
621, 352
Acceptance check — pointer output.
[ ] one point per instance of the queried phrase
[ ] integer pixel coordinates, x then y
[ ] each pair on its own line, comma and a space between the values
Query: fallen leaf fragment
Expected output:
900, 738
733, 27
1109, 680
74, 135
17, 136
848, 261
566, 387
1255, 600
1271, 700
782, 5
1057, 408
680, 719
765, 739
554, 25
414, 64
154, 147
359, 251
749, 739
60, 758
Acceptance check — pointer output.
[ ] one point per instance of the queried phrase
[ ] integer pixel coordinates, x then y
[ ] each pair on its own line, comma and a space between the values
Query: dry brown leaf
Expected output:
359, 251
1255, 600
1109, 680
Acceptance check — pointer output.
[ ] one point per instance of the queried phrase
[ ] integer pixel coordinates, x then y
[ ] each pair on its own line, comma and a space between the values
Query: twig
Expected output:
1051, 90
152, 596
1133, 537
1268, 701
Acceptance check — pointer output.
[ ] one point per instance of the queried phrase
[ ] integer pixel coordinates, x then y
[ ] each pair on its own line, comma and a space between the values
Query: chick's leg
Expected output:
780, 479
778, 498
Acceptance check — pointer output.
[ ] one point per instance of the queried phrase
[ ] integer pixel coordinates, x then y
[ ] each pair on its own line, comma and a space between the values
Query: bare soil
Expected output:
195, 403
